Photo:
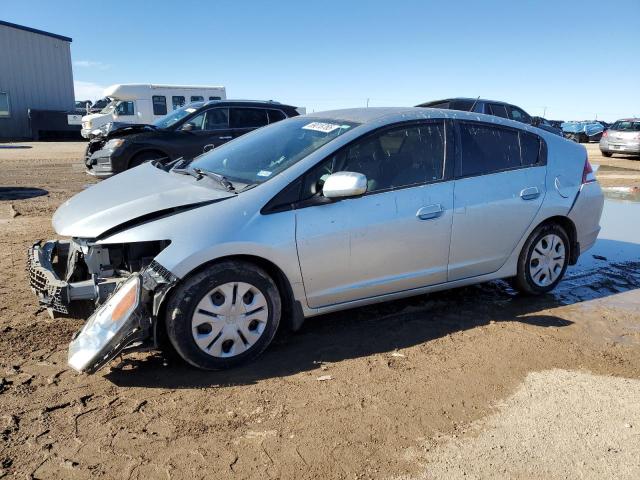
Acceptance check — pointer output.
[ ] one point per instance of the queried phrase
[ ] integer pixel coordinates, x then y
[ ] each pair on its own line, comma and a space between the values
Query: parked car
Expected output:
622, 137
583, 131
545, 124
186, 132
311, 215
492, 107
145, 103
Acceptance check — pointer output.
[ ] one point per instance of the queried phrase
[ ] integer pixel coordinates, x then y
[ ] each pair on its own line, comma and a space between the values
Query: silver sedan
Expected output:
622, 137
313, 214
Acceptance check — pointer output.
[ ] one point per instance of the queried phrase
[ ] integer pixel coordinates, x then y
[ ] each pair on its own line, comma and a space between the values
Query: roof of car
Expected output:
271, 103
360, 115
468, 99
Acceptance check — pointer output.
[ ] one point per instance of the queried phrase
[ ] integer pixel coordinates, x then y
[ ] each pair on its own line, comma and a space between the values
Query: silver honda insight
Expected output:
311, 215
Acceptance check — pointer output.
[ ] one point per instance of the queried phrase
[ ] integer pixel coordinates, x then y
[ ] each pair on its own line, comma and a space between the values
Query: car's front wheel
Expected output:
543, 260
223, 316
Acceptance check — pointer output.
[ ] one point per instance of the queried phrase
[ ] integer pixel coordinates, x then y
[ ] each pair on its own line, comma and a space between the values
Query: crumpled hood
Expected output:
133, 194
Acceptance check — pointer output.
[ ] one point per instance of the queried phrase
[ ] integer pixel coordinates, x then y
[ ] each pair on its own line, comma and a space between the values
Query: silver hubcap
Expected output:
547, 260
229, 319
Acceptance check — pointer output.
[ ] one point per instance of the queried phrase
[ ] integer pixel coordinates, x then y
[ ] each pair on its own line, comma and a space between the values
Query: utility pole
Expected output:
367, 103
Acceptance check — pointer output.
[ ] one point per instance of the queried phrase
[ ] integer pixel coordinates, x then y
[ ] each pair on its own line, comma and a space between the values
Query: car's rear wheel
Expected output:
543, 260
223, 316
606, 154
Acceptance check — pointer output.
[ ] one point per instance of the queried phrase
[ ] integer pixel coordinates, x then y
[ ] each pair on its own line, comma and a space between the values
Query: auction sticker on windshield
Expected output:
321, 127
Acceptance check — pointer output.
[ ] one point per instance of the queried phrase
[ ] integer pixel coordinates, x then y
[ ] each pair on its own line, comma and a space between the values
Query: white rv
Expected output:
145, 103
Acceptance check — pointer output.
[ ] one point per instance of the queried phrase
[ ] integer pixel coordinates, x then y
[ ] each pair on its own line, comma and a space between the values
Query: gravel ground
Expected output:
412, 388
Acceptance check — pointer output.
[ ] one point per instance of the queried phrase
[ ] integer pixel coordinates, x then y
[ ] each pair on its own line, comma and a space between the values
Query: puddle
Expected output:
631, 194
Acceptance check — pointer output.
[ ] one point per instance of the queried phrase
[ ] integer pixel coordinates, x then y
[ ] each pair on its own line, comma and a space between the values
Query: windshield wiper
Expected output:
187, 171
221, 179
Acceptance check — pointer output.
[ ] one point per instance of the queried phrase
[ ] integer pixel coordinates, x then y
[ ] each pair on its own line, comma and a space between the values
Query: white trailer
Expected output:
145, 103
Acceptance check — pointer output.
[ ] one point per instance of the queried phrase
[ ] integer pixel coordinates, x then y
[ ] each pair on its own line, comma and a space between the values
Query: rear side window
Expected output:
214, 98
248, 117
497, 110
159, 105
177, 101
530, 149
488, 149
276, 116
217, 118
197, 98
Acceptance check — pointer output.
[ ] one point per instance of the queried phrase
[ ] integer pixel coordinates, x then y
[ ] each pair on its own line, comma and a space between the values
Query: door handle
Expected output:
208, 147
530, 193
226, 138
430, 211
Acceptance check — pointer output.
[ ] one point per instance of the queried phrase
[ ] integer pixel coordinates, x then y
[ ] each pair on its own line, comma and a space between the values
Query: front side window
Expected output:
177, 101
125, 108
4, 105
248, 117
520, 116
196, 122
487, 149
159, 104
497, 110
217, 118
197, 98
400, 157
260, 155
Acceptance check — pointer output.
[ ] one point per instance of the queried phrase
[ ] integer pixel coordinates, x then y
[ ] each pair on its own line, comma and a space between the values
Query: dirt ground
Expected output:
475, 382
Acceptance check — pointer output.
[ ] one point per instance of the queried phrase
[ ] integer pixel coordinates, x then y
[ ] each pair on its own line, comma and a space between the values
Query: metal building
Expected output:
35, 73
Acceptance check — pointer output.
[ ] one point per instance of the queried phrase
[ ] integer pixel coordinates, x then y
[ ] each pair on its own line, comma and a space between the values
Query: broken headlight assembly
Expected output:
118, 323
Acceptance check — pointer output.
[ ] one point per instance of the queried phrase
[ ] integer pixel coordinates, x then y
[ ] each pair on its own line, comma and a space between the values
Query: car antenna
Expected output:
474, 104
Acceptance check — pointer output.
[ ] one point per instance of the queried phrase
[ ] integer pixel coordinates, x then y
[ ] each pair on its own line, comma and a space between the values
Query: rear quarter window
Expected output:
487, 149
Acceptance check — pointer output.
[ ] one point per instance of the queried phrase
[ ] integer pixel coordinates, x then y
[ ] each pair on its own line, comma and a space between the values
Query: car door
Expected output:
499, 188
395, 237
244, 119
204, 131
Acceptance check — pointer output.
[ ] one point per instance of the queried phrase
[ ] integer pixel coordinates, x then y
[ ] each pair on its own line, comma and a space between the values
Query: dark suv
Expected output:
492, 107
186, 132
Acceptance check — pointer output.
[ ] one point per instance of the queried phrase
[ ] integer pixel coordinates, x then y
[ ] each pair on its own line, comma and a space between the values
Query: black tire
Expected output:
190, 292
145, 157
523, 281
606, 154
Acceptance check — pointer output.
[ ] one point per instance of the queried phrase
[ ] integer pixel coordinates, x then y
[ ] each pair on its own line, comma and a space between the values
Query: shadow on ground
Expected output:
14, 147
20, 193
385, 327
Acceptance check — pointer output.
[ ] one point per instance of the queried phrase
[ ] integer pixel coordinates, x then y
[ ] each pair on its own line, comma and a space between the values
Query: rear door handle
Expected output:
430, 211
530, 193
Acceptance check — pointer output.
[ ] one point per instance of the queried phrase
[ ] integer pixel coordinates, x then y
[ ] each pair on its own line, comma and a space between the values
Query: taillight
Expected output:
587, 173
605, 133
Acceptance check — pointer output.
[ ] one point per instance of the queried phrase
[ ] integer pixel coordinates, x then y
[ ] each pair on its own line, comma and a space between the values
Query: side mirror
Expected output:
187, 127
344, 185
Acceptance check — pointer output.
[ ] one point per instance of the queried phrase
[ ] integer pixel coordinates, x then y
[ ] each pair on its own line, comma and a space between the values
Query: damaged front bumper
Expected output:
47, 266
112, 326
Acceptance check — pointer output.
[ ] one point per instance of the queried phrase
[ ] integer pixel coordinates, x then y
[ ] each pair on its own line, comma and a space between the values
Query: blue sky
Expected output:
578, 59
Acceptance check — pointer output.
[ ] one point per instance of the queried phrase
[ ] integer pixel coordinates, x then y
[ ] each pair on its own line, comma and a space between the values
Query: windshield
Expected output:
626, 126
175, 116
110, 107
270, 150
